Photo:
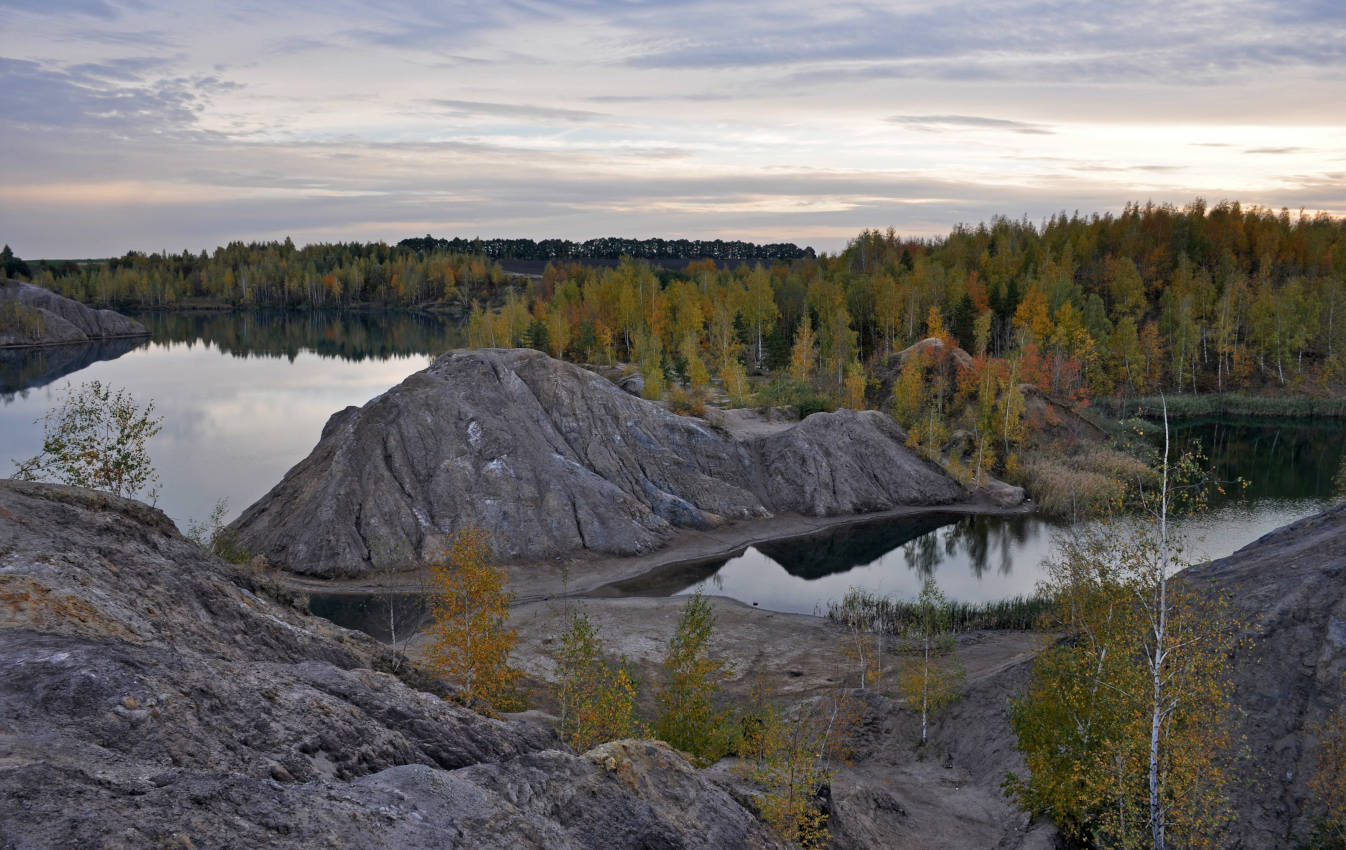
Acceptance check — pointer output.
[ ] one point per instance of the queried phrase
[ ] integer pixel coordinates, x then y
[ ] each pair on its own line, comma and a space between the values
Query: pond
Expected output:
1289, 466
244, 397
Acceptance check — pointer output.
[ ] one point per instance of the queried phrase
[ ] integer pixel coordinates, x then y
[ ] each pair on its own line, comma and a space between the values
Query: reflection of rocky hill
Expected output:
850, 546
26, 368
151, 696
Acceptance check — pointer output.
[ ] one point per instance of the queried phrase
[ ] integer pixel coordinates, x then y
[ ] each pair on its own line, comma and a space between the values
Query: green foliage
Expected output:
12, 266
787, 392
688, 717
1085, 723
785, 753
896, 616
21, 320
932, 678
97, 438
598, 699
212, 534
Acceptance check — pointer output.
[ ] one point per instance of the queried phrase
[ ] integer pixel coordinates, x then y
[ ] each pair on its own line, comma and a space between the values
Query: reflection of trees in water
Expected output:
977, 538
1281, 458
353, 336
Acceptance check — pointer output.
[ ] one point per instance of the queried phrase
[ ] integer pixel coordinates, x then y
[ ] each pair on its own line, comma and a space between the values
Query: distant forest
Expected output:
1157, 297
610, 248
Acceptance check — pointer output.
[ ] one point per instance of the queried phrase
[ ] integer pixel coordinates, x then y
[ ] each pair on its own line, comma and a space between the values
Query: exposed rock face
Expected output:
31, 316
1289, 587
149, 697
552, 459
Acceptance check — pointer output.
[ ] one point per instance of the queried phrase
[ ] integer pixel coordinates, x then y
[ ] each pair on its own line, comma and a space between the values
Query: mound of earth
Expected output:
551, 459
33, 316
151, 696
1289, 590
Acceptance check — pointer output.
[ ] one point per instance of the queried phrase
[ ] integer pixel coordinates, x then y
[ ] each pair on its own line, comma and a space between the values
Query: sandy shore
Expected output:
588, 574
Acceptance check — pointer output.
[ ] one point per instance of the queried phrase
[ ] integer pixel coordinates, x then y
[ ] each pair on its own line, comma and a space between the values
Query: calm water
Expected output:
1289, 465
245, 397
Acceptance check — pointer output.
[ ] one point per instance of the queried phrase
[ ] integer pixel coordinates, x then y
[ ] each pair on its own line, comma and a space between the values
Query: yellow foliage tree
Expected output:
804, 353
688, 718
469, 638
930, 681
598, 699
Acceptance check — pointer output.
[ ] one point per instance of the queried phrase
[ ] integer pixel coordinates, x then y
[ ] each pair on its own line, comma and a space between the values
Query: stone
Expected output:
264, 726
552, 460
33, 316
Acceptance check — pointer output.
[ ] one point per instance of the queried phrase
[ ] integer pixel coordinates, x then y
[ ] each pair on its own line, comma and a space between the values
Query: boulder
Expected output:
154, 696
551, 460
33, 316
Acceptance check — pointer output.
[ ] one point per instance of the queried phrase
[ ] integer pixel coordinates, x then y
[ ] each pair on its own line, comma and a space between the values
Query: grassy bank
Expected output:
872, 612
1227, 404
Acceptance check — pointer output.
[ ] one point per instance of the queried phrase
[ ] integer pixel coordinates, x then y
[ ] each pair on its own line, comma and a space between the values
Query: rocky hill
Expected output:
33, 316
551, 459
1289, 589
150, 696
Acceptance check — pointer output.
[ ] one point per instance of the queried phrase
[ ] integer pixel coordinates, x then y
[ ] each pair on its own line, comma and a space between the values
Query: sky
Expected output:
154, 125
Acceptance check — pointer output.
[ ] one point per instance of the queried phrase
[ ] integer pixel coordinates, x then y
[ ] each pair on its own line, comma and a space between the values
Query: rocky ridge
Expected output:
151, 696
33, 316
552, 460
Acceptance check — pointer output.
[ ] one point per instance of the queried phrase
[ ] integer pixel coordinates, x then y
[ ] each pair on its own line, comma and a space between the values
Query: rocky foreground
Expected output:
33, 316
551, 459
151, 696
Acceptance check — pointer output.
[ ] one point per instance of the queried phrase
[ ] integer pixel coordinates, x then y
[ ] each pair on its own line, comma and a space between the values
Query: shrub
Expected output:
97, 438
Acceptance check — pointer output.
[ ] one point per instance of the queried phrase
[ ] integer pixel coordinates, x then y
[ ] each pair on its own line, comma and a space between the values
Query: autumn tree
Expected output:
688, 717
97, 438
1125, 725
932, 678
597, 698
804, 352
469, 636
786, 755
758, 308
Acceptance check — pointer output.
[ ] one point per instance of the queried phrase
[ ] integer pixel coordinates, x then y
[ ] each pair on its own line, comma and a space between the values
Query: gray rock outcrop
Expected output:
1288, 588
551, 459
151, 696
33, 316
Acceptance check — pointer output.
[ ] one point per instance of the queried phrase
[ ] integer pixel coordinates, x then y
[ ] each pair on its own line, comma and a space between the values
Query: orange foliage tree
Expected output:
470, 640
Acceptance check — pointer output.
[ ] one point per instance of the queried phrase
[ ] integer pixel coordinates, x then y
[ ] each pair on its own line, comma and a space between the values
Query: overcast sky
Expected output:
184, 125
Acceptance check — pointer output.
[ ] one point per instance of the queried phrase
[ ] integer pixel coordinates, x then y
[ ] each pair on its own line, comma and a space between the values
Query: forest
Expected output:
1157, 298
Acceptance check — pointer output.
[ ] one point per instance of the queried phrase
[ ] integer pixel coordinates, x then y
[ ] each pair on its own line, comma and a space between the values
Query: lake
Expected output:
244, 397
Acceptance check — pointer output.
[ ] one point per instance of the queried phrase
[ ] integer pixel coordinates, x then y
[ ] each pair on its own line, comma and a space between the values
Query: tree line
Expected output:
609, 248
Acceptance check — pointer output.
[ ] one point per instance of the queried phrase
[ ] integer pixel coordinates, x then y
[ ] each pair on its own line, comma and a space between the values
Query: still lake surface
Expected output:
244, 397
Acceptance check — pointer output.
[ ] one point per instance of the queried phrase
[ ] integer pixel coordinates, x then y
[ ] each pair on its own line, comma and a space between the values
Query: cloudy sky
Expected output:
176, 125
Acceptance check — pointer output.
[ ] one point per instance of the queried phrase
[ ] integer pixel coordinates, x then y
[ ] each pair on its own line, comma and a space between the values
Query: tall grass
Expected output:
1229, 404
1085, 484
874, 613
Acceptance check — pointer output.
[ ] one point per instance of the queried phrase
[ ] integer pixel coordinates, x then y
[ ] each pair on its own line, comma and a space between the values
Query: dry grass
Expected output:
1090, 483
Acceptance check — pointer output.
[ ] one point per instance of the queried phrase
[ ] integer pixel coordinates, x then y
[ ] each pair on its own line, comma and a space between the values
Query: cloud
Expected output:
1273, 150
92, 8
944, 123
524, 112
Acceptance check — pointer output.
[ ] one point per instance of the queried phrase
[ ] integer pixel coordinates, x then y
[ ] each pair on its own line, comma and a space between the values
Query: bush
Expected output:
97, 438
687, 403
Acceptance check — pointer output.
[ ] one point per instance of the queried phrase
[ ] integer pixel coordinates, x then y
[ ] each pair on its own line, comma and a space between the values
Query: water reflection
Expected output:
22, 369
374, 335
